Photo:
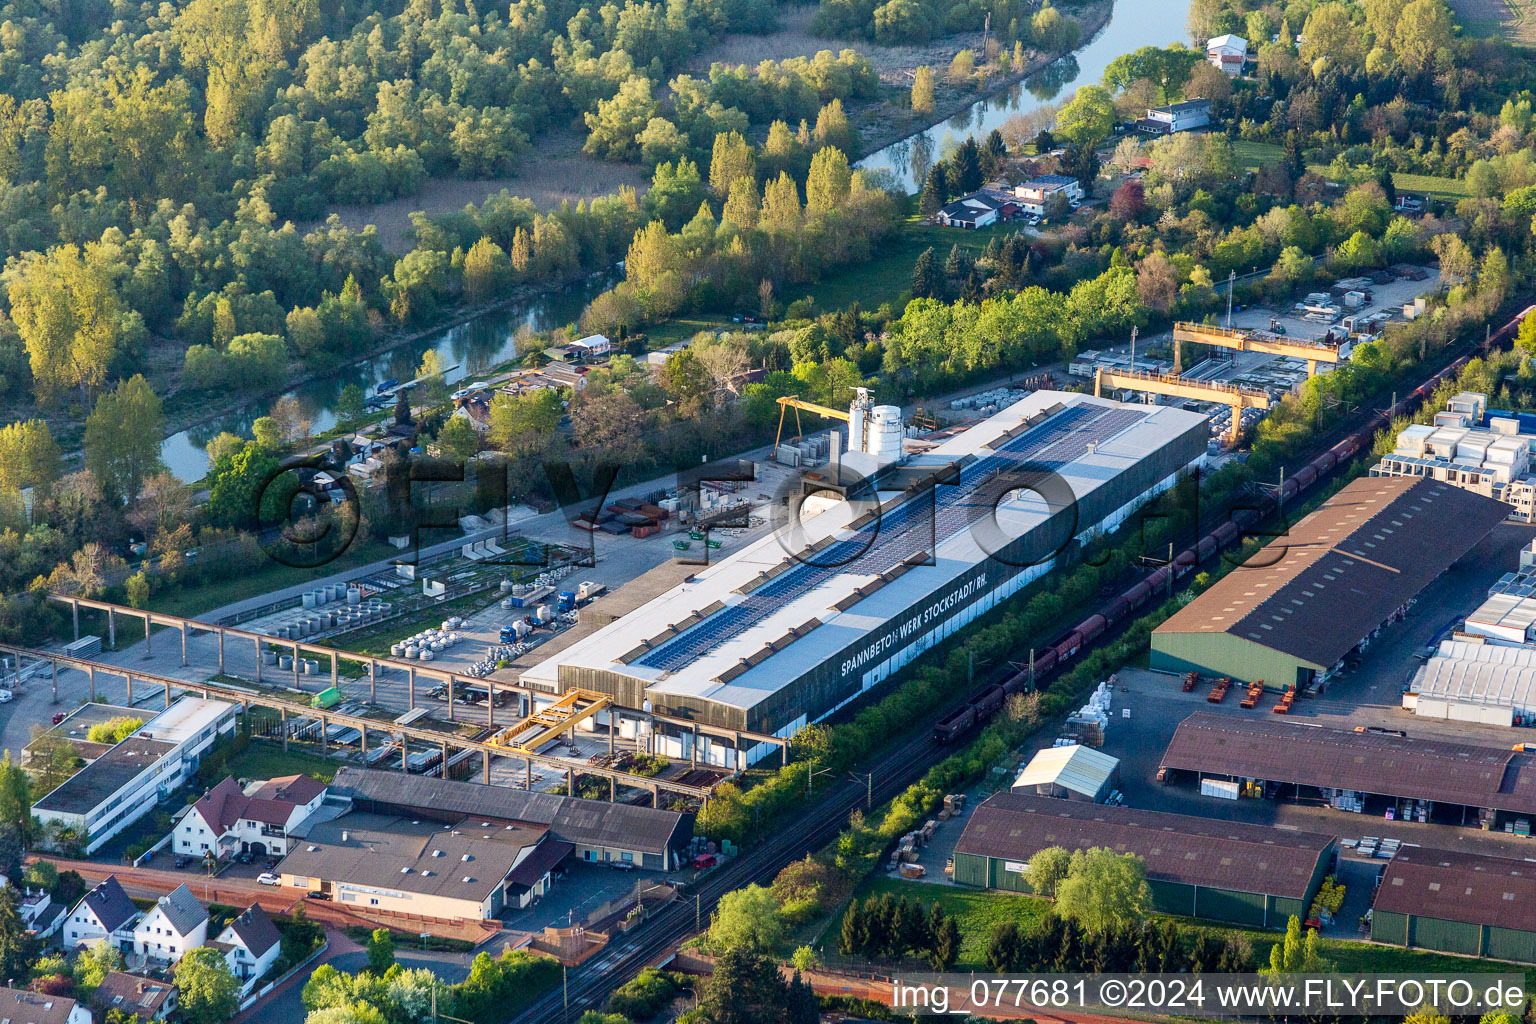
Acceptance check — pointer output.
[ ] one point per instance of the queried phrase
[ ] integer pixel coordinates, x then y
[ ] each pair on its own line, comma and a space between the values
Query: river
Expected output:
488, 339
1132, 24
471, 348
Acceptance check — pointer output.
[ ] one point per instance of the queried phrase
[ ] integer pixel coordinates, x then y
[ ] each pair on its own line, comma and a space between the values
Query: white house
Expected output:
1035, 192
105, 913
39, 913
176, 924
1228, 53
227, 821
977, 210
1176, 117
251, 945
593, 345
18, 1006
126, 782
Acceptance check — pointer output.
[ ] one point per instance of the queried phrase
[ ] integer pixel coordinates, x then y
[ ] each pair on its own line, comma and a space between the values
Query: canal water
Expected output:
471, 348
1133, 24
489, 339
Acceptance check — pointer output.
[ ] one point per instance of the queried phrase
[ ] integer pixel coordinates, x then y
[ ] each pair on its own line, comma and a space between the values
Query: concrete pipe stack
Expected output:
285, 661
269, 657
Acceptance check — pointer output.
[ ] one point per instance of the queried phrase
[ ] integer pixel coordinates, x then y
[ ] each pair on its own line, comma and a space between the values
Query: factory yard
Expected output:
1369, 696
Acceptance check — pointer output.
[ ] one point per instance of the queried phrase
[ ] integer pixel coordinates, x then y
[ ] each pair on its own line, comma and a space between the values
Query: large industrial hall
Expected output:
1292, 613
790, 628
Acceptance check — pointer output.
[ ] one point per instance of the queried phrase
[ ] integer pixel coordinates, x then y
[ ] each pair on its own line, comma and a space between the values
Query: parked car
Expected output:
245, 858
6, 696
58, 716
182, 860
622, 865
268, 878
317, 895
705, 860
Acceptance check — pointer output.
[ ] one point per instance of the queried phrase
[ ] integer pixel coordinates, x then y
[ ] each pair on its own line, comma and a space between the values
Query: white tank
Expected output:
885, 433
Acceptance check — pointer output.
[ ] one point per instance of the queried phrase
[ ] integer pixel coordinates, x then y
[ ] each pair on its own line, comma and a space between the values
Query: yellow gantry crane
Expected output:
1239, 398
573, 706
1245, 339
796, 403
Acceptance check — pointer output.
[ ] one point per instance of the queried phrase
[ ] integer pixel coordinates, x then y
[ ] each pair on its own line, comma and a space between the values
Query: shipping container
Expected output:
1219, 788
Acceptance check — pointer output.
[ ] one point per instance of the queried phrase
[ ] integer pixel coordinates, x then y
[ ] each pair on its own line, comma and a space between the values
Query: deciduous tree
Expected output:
123, 436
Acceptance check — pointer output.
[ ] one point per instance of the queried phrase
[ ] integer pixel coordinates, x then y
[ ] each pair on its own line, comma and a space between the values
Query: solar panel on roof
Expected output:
1054, 443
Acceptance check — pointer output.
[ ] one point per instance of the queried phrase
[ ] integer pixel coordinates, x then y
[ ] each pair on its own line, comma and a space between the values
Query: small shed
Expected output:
1072, 772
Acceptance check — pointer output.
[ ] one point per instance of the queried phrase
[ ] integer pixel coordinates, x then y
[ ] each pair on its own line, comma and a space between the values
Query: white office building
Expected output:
126, 782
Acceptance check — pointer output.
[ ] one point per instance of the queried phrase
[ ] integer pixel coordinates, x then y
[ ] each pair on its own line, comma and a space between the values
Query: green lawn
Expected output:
979, 911
1253, 155
377, 641
191, 601
1445, 188
263, 760
888, 273
881, 278
1368, 957
976, 911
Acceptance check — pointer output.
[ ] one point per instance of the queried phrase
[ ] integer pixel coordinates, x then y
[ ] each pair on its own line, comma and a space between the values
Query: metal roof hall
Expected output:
1375, 763
1343, 570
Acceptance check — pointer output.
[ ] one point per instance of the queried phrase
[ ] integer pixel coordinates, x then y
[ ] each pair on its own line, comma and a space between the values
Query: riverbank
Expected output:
906, 124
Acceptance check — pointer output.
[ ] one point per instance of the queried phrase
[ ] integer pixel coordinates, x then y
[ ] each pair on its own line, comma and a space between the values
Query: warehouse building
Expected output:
1071, 772
1461, 903
1367, 772
1471, 681
1295, 610
472, 871
599, 832
785, 631
1219, 870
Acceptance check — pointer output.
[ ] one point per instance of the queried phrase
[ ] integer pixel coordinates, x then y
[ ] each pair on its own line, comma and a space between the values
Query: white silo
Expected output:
885, 432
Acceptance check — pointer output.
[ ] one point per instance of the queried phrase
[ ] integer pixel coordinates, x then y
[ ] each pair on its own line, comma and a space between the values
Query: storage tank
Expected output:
885, 434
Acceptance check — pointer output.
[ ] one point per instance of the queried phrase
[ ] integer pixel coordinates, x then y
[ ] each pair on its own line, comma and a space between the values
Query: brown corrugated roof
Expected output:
1419, 769
1343, 570
1177, 847
1465, 887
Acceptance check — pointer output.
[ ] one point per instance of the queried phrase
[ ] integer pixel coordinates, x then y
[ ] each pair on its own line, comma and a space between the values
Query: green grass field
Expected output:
1352, 957
881, 278
1253, 155
978, 912
1444, 188
1515, 20
263, 760
191, 601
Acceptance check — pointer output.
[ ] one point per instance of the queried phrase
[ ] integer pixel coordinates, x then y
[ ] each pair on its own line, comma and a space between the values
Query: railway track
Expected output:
588, 985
